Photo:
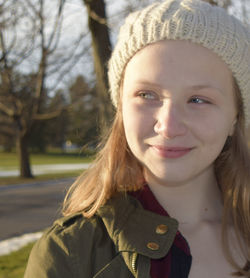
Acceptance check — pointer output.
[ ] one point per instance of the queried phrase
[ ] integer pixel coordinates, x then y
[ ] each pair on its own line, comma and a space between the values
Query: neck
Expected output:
190, 202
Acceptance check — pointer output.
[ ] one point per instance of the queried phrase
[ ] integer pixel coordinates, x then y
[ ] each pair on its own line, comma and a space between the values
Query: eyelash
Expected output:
199, 99
150, 95
147, 95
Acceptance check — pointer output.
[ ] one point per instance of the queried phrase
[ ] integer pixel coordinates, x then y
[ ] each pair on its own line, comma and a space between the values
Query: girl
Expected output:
168, 195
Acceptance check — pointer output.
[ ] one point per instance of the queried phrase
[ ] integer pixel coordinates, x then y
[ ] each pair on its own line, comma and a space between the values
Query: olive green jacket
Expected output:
118, 241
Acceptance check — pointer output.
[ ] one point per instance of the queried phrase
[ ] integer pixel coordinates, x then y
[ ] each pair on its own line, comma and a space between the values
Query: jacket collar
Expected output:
133, 229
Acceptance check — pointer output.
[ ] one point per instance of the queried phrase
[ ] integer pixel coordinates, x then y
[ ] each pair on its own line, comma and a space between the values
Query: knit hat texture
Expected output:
193, 20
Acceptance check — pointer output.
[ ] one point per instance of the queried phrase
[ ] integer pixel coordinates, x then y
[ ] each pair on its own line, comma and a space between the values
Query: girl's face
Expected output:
178, 109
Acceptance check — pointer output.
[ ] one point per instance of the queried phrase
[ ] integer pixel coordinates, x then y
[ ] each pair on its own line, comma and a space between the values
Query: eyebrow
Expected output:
201, 87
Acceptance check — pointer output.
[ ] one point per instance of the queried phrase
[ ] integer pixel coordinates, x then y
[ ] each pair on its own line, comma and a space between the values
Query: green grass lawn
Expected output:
9, 161
13, 265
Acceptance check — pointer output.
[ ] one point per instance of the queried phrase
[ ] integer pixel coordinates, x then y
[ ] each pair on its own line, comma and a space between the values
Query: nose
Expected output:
170, 120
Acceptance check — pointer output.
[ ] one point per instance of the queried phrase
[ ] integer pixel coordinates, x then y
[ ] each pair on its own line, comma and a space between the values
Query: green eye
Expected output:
147, 95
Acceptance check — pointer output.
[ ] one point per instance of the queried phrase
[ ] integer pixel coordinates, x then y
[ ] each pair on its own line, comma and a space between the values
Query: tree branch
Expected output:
6, 110
57, 27
48, 116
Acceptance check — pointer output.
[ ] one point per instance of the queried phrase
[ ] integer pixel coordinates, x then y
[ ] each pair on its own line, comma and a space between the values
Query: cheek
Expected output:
214, 123
214, 134
133, 122
137, 123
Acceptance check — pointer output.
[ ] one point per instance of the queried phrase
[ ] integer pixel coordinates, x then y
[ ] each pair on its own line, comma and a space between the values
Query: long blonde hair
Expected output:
116, 169
232, 168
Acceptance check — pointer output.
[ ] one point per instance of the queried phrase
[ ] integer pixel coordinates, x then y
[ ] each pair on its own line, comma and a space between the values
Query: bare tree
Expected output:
30, 39
101, 48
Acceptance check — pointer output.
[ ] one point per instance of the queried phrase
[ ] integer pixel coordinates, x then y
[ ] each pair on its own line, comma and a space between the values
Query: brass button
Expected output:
161, 229
153, 246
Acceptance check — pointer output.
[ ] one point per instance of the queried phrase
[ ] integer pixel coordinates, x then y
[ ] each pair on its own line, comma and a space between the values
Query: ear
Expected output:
232, 129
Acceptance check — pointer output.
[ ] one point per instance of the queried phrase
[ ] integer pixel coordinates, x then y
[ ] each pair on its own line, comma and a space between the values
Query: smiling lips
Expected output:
171, 152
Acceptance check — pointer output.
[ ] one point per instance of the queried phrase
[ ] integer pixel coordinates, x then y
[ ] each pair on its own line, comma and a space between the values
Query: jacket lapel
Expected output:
132, 229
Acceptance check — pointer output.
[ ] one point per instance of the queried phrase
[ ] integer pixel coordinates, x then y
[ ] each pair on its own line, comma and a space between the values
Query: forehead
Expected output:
168, 62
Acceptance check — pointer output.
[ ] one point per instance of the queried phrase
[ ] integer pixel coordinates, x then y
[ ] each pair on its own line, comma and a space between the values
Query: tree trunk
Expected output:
102, 49
23, 154
212, 2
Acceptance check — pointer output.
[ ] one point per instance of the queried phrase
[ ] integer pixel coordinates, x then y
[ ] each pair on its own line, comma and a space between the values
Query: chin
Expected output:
167, 178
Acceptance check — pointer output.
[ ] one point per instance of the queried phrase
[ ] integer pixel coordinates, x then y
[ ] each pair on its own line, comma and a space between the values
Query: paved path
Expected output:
30, 208
45, 169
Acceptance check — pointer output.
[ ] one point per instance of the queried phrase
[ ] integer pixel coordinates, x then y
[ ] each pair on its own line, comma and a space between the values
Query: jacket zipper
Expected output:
133, 264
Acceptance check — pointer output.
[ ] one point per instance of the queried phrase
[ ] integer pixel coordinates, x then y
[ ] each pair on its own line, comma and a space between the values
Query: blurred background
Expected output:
54, 103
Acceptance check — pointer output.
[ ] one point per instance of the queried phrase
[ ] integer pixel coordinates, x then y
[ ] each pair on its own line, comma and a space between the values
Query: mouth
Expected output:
171, 152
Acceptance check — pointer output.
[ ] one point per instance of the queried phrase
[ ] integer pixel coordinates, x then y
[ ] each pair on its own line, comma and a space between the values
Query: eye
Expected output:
198, 100
148, 95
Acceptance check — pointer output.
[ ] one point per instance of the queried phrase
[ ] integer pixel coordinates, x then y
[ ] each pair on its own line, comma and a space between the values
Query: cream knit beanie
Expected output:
193, 20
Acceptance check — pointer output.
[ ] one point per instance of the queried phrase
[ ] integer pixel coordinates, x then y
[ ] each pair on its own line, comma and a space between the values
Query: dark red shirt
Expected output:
177, 263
